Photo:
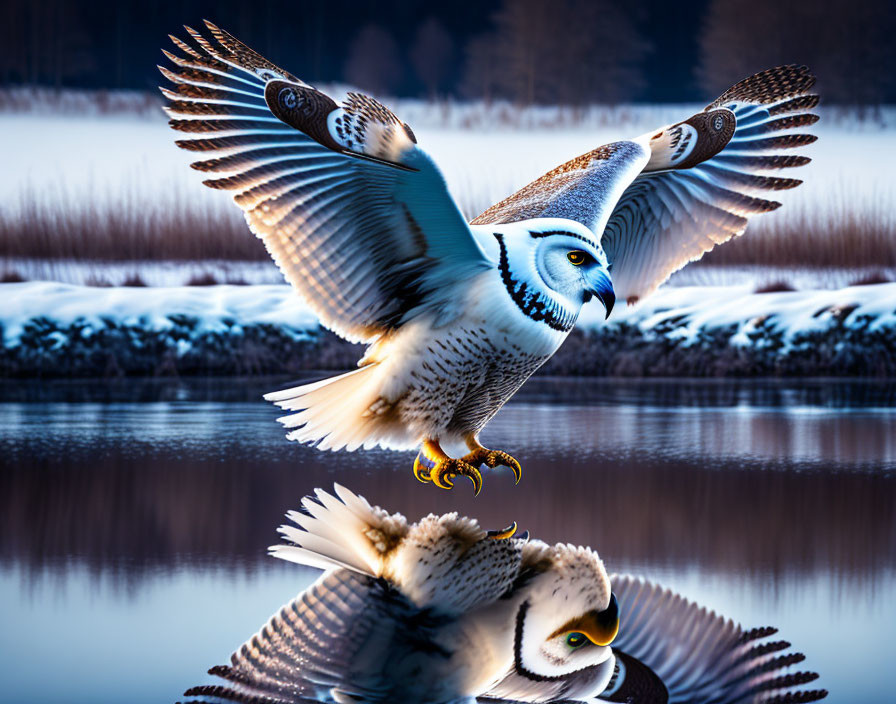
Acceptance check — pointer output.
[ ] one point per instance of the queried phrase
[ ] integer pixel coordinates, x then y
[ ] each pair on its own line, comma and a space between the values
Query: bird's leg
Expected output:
480, 455
433, 465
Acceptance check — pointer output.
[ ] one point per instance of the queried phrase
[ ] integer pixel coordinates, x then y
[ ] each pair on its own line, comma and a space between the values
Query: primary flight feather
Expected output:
458, 315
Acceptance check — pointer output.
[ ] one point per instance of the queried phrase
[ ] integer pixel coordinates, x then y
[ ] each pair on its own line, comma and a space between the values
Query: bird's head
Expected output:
563, 255
567, 617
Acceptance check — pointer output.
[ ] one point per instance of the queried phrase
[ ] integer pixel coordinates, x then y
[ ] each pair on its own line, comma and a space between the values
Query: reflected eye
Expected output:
576, 640
577, 257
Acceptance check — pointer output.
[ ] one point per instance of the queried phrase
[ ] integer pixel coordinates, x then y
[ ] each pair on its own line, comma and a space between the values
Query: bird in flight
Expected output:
458, 315
442, 611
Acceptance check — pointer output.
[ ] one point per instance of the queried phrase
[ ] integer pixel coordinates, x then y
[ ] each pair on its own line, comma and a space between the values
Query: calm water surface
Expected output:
134, 516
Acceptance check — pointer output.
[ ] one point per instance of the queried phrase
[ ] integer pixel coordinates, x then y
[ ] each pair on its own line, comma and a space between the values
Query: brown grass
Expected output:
133, 227
130, 228
871, 279
35, 99
811, 234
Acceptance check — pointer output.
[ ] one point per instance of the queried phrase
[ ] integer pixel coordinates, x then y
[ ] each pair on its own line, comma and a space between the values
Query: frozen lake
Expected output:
134, 516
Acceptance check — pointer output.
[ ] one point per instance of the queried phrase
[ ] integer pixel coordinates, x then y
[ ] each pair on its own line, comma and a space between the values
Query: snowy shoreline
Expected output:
58, 330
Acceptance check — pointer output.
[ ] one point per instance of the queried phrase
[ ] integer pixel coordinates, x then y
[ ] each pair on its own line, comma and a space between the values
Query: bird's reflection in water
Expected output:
442, 611
759, 500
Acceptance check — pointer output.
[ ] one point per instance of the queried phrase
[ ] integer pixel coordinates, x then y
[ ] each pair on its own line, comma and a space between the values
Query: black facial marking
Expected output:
560, 232
518, 649
532, 303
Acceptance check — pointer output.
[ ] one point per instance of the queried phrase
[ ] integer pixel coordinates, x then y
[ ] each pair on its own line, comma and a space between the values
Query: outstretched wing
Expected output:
671, 649
346, 638
350, 638
700, 186
356, 216
667, 197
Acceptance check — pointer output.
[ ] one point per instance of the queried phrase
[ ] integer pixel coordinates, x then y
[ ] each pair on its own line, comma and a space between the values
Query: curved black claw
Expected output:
494, 458
445, 471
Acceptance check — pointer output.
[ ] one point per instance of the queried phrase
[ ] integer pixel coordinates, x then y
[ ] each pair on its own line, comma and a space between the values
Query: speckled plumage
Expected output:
441, 611
457, 316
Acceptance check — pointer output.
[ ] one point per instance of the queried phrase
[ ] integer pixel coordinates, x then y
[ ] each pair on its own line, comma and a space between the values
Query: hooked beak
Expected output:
601, 287
600, 627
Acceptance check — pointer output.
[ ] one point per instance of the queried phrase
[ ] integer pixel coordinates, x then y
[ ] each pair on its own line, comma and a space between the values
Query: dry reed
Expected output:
836, 234
132, 228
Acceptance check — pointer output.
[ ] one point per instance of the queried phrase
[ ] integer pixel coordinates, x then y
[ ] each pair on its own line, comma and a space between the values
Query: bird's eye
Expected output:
577, 257
576, 640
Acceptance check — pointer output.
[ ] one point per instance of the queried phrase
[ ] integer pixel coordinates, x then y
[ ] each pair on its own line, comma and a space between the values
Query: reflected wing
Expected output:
698, 189
356, 216
349, 637
670, 647
344, 636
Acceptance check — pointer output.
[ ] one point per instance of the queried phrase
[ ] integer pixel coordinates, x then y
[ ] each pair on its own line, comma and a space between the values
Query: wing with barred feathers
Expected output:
345, 639
357, 217
671, 649
446, 562
667, 197
584, 189
706, 176
371, 624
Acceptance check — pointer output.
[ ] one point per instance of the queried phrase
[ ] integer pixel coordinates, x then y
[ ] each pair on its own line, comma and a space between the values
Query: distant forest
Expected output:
568, 52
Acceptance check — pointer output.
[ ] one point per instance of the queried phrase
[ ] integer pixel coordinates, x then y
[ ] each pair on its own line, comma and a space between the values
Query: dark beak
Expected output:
608, 298
602, 289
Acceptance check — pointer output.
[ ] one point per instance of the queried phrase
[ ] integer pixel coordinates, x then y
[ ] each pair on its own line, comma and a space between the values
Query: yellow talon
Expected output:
480, 455
433, 465
504, 533
421, 471
442, 480
447, 470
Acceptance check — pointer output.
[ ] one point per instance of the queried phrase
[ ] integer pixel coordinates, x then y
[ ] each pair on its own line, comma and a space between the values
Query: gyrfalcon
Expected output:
458, 315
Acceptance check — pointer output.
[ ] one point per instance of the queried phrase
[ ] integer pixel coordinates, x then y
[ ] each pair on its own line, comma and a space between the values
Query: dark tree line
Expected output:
43, 42
569, 52
849, 44
534, 51
558, 51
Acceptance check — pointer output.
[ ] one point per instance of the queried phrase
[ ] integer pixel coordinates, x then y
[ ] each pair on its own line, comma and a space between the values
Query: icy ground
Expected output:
51, 328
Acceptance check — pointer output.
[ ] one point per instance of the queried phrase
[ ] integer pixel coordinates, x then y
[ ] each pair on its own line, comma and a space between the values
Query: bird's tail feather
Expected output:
343, 412
341, 531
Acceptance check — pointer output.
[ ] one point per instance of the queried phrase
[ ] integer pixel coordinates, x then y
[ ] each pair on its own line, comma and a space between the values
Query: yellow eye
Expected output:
577, 257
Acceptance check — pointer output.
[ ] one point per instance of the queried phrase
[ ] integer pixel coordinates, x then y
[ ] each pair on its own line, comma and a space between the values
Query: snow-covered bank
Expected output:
54, 329
155, 273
